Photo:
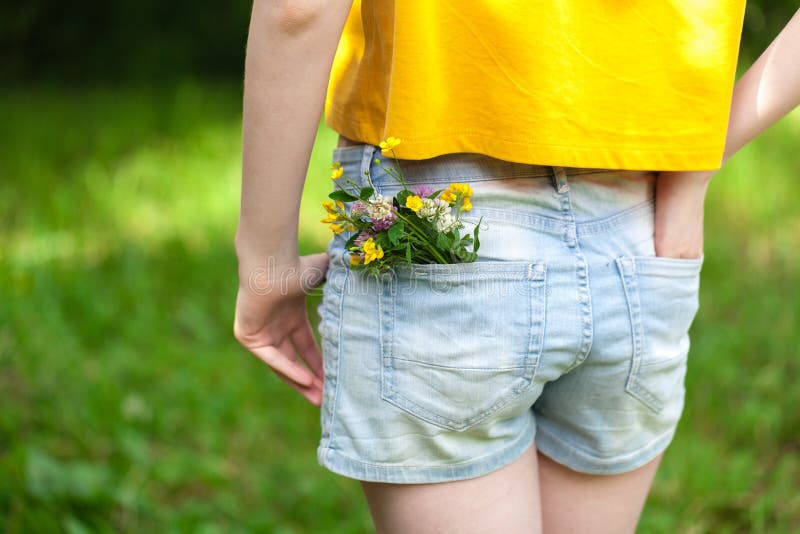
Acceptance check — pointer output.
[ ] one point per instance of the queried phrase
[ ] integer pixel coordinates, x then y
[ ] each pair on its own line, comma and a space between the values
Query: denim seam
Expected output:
586, 455
471, 178
420, 412
633, 386
338, 352
390, 394
402, 467
538, 313
570, 238
429, 364
386, 313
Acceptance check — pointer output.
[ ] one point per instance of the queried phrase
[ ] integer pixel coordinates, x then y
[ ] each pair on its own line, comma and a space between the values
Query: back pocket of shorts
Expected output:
663, 299
460, 341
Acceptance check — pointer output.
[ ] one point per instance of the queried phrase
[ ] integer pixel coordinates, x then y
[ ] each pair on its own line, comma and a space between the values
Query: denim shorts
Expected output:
567, 329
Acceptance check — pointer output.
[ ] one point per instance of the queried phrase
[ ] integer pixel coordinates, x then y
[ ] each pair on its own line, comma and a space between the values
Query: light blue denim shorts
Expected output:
567, 329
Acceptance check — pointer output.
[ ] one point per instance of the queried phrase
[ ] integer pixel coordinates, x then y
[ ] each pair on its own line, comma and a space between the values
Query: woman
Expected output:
551, 411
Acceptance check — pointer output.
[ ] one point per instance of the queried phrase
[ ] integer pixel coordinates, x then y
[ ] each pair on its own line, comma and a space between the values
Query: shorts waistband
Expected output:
465, 165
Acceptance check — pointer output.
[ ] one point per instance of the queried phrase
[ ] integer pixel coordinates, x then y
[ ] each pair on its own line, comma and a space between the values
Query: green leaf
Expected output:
453, 239
352, 241
344, 196
383, 240
366, 193
435, 193
442, 241
475, 233
402, 196
396, 232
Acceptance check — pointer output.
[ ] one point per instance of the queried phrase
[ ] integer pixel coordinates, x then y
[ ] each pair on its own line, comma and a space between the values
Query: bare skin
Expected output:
531, 495
505, 500
290, 50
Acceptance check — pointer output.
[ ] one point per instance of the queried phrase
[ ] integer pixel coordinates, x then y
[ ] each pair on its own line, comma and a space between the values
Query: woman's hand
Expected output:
680, 198
272, 323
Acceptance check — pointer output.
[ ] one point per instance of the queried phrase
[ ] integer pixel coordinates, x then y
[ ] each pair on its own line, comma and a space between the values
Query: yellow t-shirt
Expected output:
617, 84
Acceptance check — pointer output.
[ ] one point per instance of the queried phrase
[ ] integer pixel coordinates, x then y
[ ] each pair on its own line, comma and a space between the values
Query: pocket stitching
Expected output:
667, 266
629, 267
630, 287
535, 277
332, 342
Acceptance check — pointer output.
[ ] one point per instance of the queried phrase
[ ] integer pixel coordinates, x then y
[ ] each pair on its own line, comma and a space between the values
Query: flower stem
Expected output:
345, 190
423, 238
396, 176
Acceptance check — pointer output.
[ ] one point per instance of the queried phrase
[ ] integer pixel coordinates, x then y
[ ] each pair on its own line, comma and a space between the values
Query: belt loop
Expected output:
366, 163
559, 177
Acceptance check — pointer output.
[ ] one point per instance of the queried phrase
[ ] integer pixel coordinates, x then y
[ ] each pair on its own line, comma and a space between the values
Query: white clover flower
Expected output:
442, 207
379, 207
428, 208
445, 222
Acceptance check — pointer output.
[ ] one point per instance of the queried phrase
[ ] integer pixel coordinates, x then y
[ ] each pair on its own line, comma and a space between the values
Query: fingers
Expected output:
314, 268
679, 216
283, 361
285, 364
312, 393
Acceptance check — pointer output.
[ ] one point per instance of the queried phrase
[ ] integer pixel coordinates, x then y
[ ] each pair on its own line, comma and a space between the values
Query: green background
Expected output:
125, 403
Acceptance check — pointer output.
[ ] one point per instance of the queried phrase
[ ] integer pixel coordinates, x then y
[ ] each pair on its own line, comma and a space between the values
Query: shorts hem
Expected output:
337, 462
578, 460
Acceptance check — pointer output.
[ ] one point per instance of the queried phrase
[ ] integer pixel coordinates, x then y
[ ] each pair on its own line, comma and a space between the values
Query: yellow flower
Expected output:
337, 228
355, 259
331, 208
464, 189
413, 202
329, 219
388, 145
371, 251
328, 205
456, 192
336, 164
337, 172
467, 204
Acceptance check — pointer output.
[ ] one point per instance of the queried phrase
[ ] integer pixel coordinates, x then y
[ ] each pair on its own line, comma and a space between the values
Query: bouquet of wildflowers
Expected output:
416, 225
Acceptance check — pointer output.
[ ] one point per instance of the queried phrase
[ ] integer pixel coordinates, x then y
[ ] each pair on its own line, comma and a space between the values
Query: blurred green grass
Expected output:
128, 406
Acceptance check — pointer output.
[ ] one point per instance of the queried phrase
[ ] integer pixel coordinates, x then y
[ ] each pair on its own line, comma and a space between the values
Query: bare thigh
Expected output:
533, 494
600, 504
505, 500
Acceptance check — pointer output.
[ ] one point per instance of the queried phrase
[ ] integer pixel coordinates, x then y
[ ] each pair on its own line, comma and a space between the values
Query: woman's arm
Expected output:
768, 91
290, 49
